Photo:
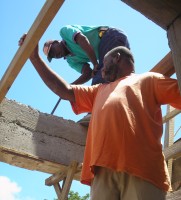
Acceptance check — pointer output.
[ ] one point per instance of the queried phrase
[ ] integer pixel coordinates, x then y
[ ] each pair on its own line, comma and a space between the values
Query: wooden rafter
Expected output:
166, 14
165, 66
162, 12
36, 31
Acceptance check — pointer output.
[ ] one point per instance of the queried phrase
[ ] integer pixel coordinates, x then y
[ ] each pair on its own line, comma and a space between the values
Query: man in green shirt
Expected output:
83, 44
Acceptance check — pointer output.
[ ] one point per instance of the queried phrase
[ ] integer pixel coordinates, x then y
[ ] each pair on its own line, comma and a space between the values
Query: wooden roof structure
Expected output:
165, 13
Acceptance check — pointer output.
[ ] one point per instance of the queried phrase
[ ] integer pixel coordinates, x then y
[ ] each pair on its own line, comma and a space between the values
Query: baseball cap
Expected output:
46, 49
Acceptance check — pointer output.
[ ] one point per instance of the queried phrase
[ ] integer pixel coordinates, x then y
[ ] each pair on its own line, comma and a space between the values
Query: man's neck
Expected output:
66, 50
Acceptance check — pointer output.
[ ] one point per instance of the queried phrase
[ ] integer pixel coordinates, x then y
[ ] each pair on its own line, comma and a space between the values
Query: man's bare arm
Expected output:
86, 46
58, 85
85, 76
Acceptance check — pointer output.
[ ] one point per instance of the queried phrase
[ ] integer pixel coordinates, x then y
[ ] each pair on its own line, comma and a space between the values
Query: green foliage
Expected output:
75, 196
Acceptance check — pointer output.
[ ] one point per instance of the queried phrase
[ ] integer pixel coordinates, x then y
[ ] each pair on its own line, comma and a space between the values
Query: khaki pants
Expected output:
111, 185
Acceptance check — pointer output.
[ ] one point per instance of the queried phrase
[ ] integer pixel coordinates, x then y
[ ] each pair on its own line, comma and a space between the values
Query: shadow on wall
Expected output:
31, 139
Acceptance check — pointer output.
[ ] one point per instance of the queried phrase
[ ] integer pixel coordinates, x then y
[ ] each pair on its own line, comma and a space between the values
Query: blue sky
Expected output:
148, 42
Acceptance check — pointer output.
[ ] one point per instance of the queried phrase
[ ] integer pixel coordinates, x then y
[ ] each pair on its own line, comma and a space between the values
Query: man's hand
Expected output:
21, 40
85, 76
58, 85
34, 54
95, 70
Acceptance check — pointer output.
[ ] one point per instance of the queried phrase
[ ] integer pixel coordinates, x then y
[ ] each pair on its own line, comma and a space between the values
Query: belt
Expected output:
102, 30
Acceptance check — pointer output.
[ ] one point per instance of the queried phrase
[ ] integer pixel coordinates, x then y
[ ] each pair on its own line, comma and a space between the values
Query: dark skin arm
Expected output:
58, 85
85, 76
84, 43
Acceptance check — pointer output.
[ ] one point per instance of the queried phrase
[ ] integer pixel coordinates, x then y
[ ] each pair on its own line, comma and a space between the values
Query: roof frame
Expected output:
166, 14
44, 18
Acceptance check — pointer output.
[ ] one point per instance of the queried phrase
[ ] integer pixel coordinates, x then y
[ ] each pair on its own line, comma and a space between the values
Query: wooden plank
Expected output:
174, 37
169, 129
166, 14
32, 162
174, 195
173, 151
59, 176
170, 115
162, 12
70, 174
58, 190
169, 138
165, 66
39, 26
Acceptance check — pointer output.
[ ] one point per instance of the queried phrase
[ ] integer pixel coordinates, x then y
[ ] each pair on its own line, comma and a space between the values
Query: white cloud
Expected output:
8, 189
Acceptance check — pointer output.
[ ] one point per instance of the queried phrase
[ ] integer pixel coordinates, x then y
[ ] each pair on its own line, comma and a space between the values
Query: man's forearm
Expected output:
86, 46
81, 80
86, 75
58, 85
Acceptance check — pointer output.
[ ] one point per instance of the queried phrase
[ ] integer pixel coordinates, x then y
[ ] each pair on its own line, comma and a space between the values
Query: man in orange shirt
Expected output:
123, 156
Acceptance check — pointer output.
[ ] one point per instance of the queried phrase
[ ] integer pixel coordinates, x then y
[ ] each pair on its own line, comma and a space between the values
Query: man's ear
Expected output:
117, 57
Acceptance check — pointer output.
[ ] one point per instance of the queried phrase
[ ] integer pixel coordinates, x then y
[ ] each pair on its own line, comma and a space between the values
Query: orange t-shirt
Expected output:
125, 129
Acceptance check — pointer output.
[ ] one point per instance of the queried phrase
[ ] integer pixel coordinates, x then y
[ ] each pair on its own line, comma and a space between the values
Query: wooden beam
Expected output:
169, 138
173, 151
174, 37
65, 176
68, 181
167, 14
170, 115
61, 175
162, 12
57, 190
36, 31
165, 66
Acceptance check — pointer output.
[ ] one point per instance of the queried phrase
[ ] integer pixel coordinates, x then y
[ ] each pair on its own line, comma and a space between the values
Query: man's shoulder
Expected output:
66, 28
148, 76
151, 74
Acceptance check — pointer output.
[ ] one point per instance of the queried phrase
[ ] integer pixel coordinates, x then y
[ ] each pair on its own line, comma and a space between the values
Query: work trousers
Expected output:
112, 185
111, 38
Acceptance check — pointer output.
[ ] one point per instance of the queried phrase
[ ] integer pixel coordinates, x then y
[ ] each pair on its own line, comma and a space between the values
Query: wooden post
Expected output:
174, 33
165, 66
169, 138
67, 177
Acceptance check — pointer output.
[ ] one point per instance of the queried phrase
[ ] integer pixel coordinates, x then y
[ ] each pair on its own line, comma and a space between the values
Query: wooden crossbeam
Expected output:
59, 176
36, 31
173, 151
162, 12
174, 33
66, 176
170, 115
165, 66
167, 14
169, 138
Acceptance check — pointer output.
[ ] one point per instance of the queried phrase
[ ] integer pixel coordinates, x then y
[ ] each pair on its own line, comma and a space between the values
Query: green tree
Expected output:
75, 196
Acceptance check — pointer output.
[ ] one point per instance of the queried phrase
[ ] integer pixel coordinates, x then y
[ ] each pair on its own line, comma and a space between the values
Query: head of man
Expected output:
118, 62
54, 49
